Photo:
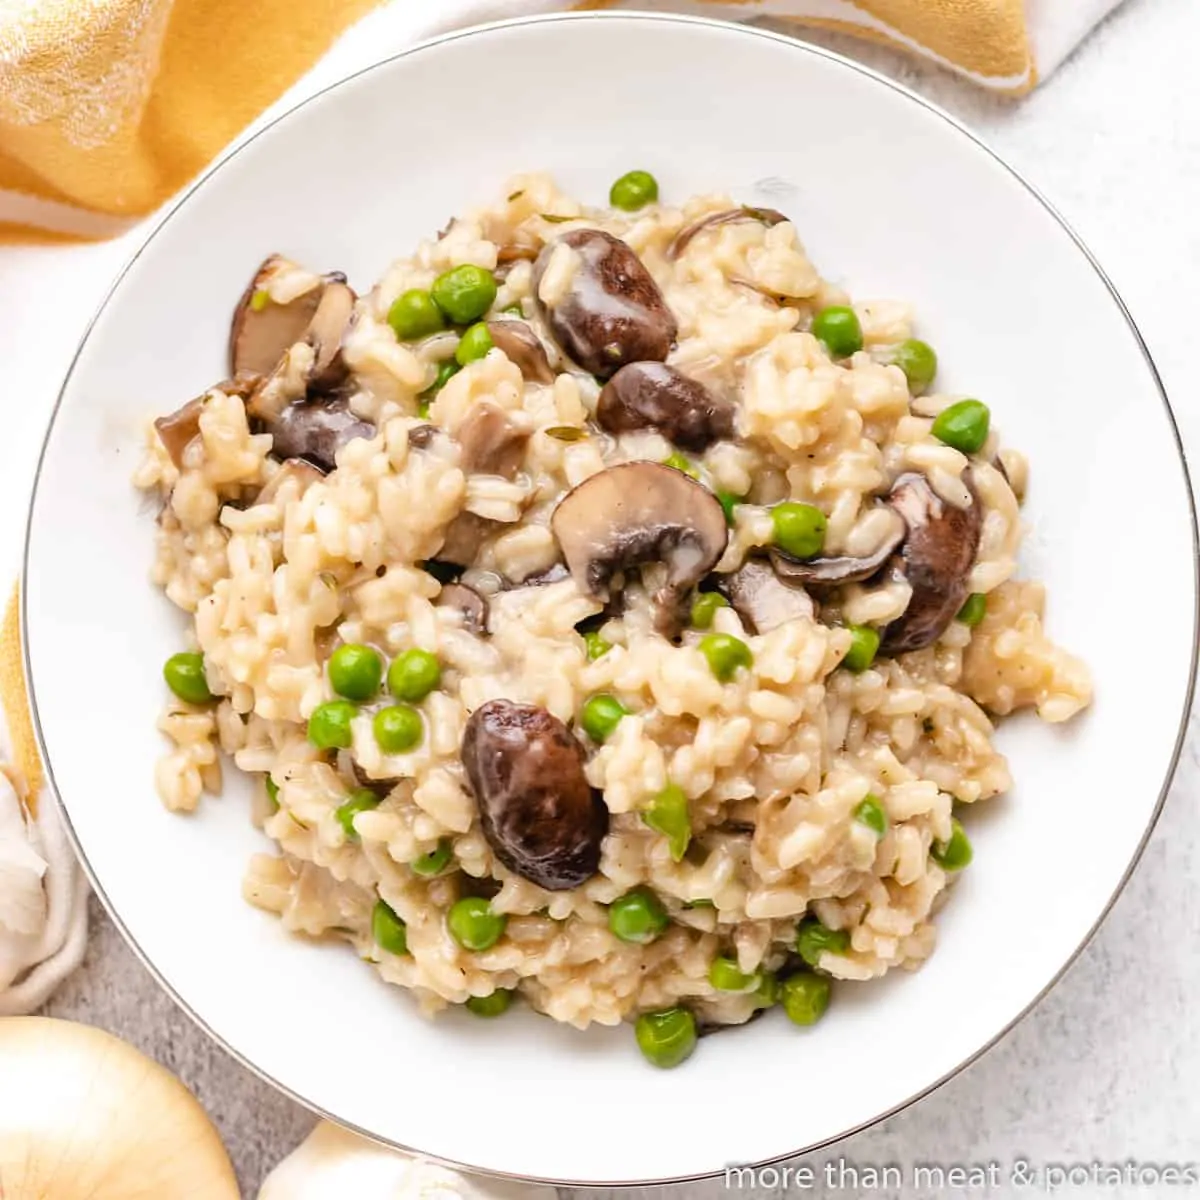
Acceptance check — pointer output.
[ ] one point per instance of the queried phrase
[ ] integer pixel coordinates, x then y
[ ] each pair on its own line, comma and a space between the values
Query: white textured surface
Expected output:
1104, 1069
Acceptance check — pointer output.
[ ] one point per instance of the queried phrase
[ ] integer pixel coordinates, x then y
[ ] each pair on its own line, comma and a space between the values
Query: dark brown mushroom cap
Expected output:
612, 312
468, 603
762, 599
296, 470
636, 513
938, 552
316, 430
523, 348
539, 814
651, 395
829, 571
730, 216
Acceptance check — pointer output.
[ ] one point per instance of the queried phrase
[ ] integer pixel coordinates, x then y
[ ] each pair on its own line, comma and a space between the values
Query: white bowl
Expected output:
891, 197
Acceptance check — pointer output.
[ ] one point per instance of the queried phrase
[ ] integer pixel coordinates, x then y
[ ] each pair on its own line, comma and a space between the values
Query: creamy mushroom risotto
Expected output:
613, 612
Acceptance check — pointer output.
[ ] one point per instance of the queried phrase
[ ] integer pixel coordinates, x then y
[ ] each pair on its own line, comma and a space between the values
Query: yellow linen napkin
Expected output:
108, 107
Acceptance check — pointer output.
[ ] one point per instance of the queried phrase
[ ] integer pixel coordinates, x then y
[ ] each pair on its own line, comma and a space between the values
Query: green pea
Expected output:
600, 716
355, 672
799, 529
433, 863
398, 728
701, 903
637, 917
869, 812
414, 315
725, 654
494, 1004
413, 675
864, 642
767, 992
680, 463
464, 293
329, 725
729, 502
474, 344
805, 997
963, 425
185, 676
725, 975
814, 939
956, 853
389, 932
666, 1037
668, 814
838, 327
473, 925
595, 645
272, 792
918, 362
634, 190
513, 310
704, 608
446, 368
361, 800
974, 610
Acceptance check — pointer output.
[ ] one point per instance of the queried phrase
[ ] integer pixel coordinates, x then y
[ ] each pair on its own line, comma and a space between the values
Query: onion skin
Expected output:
84, 1116
334, 1164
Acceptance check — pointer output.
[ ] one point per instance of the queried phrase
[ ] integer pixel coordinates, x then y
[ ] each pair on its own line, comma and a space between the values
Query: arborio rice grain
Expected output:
774, 763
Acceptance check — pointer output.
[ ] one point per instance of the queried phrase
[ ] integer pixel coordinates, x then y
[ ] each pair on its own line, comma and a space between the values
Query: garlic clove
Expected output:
84, 1116
332, 1163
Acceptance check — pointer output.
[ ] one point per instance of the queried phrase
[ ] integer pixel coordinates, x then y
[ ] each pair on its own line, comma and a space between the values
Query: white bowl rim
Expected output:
800, 46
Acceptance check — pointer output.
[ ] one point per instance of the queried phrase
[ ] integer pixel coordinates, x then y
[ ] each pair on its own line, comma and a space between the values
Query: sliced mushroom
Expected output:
635, 513
523, 348
491, 442
464, 539
262, 330
467, 602
536, 808
297, 470
325, 331
764, 216
610, 311
938, 552
316, 430
651, 395
177, 429
840, 568
763, 600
